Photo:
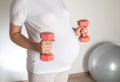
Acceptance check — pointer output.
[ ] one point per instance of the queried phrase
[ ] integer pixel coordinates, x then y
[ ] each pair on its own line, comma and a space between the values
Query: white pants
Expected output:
48, 77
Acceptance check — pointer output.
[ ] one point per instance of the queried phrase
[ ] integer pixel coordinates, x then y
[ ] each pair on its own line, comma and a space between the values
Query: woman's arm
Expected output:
21, 40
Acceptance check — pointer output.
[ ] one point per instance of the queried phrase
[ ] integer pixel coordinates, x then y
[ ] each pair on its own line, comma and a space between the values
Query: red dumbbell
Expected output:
83, 24
46, 36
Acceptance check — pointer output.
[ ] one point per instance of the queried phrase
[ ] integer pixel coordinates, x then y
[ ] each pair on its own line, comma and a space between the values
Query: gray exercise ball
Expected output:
104, 63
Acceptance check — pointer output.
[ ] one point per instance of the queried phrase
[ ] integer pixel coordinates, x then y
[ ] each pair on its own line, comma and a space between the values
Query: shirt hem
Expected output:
50, 71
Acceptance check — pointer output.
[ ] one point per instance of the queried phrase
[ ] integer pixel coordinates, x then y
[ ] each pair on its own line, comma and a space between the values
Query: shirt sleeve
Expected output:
18, 12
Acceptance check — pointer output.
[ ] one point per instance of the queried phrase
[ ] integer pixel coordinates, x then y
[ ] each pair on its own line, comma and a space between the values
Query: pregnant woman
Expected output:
45, 16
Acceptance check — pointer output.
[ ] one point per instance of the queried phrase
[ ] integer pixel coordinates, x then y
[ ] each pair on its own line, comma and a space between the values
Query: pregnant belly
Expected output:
65, 50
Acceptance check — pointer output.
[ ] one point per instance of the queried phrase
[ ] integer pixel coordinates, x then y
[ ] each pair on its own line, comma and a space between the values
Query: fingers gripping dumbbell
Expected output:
83, 24
47, 36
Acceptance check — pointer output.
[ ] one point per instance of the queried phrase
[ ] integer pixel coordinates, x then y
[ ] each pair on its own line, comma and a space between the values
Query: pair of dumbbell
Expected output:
49, 36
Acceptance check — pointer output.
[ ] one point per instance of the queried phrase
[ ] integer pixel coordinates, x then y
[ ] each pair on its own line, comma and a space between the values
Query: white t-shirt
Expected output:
47, 16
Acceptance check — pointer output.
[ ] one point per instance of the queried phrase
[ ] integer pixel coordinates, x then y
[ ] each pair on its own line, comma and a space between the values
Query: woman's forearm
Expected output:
22, 41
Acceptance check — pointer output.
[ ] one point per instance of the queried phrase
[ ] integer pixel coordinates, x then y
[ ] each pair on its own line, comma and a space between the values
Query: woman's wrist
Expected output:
35, 46
76, 31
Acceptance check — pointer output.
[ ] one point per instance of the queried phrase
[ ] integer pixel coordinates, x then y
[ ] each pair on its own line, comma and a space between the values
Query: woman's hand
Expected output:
44, 46
79, 30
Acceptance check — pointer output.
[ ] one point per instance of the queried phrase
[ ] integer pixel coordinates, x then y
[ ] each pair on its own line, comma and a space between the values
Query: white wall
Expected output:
12, 57
104, 17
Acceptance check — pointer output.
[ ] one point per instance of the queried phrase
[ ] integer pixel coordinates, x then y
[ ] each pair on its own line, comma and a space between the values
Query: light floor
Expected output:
83, 78
86, 78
